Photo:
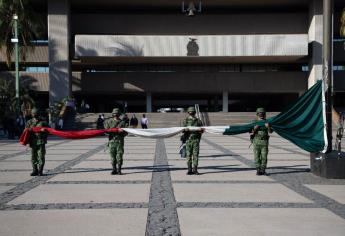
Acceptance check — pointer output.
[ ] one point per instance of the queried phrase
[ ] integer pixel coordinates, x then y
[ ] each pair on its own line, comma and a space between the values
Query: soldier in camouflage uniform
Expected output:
116, 141
192, 141
260, 137
37, 142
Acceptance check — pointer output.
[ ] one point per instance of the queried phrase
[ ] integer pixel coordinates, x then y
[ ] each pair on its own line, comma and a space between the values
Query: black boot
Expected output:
263, 171
189, 172
114, 171
258, 171
40, 170
119, 169
34, 171
195, 170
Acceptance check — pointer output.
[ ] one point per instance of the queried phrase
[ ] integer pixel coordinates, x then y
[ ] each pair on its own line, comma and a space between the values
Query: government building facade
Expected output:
225, 55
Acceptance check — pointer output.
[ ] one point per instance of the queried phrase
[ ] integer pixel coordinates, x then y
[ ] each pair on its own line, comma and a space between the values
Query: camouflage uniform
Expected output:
192, 141
116, 141
260, 145
37, 142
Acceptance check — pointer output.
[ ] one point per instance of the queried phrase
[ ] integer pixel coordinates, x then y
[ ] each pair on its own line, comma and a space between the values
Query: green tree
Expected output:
8, 101
29, 23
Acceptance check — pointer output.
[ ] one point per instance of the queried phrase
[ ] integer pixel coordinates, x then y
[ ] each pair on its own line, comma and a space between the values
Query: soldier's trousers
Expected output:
260, 155
116, 151
192, 148
38, 153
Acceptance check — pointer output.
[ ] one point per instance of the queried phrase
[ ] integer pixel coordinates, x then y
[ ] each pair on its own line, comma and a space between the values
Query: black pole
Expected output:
328, 65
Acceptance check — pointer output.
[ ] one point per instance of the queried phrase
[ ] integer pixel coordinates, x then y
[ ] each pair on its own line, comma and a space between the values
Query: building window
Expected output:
36, 69
305, 68
338, 68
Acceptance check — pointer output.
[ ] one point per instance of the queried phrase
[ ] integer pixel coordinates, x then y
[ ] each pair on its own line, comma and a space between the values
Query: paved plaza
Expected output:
78, 196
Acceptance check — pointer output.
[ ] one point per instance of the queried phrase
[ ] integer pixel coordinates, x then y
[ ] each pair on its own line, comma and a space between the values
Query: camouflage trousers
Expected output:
192, 148
116, 151
260, 155
38, 153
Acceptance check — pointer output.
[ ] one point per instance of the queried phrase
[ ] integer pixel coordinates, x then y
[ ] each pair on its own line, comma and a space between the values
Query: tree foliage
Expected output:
30, 26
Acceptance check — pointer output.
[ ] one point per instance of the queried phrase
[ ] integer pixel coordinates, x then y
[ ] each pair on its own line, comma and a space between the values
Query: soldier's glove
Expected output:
202, 130
185, 130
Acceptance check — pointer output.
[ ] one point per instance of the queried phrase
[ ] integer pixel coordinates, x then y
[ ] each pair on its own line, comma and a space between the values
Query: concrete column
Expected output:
148, 102
225, 101
315, 34
59, 59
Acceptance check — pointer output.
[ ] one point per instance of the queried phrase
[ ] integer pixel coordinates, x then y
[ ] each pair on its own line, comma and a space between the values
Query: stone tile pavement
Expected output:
78, 196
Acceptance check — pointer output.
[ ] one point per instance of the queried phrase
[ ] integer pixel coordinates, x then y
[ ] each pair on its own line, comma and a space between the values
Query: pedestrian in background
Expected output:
133, 122
60, 123
144, 122
100, 122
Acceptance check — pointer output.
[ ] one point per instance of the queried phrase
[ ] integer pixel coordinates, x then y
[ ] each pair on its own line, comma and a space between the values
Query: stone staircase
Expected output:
158, 120
227, 118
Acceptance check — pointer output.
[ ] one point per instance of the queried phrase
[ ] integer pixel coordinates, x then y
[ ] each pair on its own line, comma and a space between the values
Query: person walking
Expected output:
116, 141
260, 137
192, 138
37, 142
144, 122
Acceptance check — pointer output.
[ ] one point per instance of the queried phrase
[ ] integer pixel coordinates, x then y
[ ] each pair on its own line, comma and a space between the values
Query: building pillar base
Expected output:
328, 165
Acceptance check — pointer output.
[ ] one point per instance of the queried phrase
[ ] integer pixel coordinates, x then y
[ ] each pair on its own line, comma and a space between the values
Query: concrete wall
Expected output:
205, 82
179, 24
59, 60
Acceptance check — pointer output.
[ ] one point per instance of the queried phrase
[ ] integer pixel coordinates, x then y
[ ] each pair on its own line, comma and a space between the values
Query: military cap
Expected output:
116, 111
260, 110
191, 109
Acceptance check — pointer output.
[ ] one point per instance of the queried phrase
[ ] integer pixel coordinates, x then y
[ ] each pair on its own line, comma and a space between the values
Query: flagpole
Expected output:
328, 65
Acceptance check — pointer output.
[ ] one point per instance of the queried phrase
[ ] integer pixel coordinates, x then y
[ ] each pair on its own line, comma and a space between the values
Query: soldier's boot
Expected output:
34, 171
114, 171
263, 171
119, 169
189, 172
195, 170
40, 170
258, 171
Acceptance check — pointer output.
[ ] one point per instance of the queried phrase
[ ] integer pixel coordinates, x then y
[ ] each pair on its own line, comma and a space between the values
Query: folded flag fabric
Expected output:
303, 123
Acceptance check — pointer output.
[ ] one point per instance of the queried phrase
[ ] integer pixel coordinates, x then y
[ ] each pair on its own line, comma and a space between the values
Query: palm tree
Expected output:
29, 24
8, 101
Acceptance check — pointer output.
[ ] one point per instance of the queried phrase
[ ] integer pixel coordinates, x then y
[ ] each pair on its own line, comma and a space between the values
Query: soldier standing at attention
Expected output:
116, 141
192, 141
37, 142
260, 137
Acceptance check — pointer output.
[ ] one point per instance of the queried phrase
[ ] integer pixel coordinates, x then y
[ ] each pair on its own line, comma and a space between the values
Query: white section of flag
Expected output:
169, 132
